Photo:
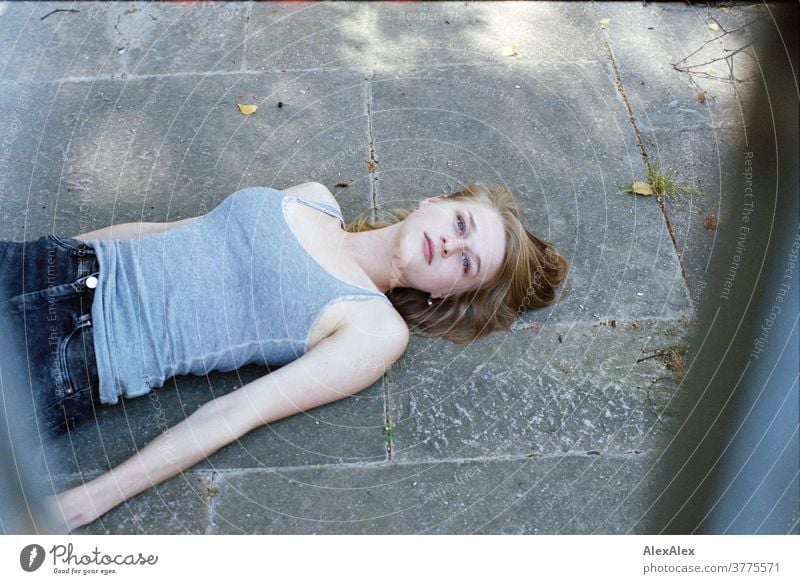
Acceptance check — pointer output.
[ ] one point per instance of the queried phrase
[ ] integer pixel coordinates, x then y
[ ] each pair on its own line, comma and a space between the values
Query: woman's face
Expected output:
449, 246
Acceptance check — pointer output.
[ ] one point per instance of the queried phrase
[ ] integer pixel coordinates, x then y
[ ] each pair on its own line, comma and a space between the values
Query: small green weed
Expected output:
659, 183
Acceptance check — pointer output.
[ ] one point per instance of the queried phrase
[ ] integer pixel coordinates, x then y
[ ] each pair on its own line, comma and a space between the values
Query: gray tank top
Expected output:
232, 288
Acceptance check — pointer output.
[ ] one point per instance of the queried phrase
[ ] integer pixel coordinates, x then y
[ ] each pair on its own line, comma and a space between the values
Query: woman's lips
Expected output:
428, 248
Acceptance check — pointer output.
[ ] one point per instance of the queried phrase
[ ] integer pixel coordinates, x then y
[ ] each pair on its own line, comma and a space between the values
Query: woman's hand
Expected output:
177, 449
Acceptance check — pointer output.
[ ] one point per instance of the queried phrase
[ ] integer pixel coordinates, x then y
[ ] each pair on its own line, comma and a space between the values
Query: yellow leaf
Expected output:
714, 26
509, 51
642, 188
247, 108
605, 22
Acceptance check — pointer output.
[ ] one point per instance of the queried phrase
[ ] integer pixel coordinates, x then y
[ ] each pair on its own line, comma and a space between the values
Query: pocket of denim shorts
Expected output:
68, 412
77, 357
39, 299
55, 324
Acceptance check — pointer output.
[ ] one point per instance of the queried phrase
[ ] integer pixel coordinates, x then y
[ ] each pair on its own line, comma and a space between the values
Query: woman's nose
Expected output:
451, 245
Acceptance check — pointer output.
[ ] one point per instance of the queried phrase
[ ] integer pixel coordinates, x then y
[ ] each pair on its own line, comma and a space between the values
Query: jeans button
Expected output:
91, 282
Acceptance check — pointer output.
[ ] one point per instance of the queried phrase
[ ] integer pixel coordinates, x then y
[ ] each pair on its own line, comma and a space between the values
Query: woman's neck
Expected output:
375, 252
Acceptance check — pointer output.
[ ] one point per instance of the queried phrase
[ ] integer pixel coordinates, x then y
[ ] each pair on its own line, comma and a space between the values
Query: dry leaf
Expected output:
604, 23
247, 108
509, 51
714, 26
642, 188
701, 97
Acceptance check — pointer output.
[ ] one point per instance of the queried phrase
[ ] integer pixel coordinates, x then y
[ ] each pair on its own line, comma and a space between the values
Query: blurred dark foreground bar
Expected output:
733, 467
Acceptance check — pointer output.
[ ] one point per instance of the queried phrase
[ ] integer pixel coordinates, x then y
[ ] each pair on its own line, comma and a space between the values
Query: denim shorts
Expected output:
48, 305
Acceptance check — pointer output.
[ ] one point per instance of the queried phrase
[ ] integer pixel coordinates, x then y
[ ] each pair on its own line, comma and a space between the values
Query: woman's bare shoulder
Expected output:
375, 316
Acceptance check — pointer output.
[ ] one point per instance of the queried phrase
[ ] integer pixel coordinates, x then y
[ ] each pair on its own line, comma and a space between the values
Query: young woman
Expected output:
270, 277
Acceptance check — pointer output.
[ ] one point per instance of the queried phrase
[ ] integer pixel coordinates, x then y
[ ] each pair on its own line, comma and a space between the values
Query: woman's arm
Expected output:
131, 230
317, 378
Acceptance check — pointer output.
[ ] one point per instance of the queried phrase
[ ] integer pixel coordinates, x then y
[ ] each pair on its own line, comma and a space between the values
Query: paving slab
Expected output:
79, 41
158, 149
305, 35
565, 388
118, 39
575, 494
647, 39
178, 506
563, 151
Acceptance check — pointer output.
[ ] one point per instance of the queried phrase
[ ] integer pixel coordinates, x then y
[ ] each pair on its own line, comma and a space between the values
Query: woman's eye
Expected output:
465, 263
461, 224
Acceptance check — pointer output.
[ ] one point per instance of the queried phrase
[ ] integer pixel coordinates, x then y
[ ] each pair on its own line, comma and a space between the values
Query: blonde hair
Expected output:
528, 277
